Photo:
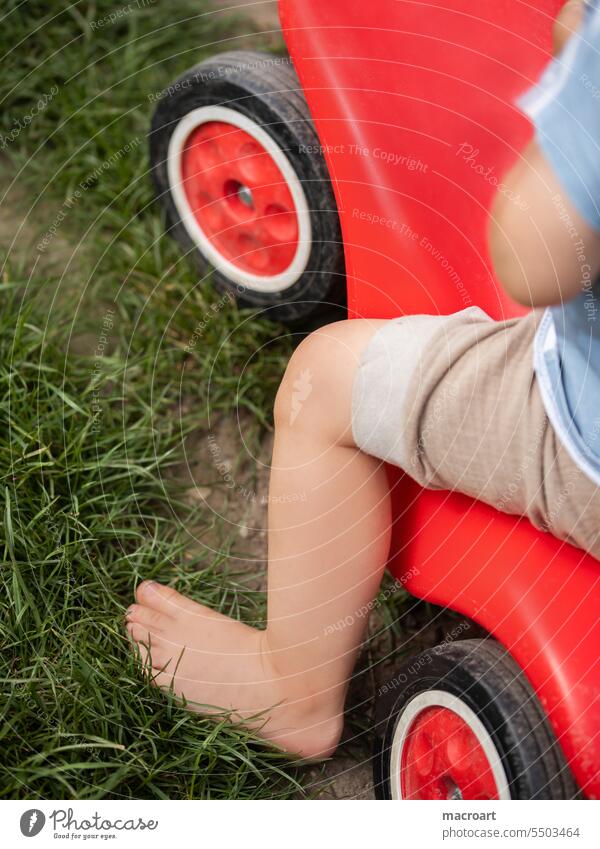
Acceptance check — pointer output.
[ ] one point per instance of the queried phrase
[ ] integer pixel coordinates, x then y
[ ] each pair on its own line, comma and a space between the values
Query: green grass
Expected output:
85, 515
92, 442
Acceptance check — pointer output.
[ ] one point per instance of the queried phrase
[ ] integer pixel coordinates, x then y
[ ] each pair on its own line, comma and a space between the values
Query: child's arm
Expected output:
547, 245
541, 253
567, 22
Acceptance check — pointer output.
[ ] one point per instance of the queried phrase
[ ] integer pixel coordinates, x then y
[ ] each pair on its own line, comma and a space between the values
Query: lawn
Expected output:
107, 399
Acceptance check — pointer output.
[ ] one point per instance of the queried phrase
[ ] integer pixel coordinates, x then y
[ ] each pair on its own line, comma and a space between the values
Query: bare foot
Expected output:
218, 664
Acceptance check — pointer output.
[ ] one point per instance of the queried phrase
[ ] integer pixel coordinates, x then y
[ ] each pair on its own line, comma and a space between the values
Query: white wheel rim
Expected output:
440, 698
245, 279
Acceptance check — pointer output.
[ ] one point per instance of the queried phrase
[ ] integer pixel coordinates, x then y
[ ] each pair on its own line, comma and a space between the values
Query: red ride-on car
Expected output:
363, 169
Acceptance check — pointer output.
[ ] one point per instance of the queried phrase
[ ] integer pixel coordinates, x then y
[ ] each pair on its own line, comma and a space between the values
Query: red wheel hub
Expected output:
443, 759
240, 198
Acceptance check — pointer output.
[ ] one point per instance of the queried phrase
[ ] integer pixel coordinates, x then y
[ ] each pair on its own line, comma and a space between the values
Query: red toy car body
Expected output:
436, 83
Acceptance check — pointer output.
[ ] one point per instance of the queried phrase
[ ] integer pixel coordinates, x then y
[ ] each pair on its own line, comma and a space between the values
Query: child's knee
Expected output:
306, 375
316, 389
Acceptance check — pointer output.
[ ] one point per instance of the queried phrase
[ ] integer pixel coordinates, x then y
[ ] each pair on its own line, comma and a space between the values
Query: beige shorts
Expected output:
454, 402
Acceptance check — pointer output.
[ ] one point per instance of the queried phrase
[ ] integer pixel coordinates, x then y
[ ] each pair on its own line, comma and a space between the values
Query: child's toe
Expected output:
139, 633
152, 619
165, 677
150, 647
164, 599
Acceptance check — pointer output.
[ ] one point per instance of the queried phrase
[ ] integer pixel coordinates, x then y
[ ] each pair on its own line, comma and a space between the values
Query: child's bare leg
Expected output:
327, 553
329, 527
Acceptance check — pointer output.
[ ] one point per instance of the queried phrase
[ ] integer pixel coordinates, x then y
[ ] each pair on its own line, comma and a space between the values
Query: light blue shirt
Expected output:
565, 109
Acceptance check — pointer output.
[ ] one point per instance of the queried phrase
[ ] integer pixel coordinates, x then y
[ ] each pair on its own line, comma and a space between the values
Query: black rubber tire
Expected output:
484, 676
266, 89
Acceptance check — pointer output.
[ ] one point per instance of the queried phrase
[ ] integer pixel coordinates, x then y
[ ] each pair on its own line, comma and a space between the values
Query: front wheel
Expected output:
461, 721
237, 164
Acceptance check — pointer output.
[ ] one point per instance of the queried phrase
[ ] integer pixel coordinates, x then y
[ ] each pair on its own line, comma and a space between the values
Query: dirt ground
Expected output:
263, 12
20, 228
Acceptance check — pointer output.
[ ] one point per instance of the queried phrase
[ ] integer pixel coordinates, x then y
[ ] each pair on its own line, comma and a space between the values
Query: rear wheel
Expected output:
461, 721
238, 167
